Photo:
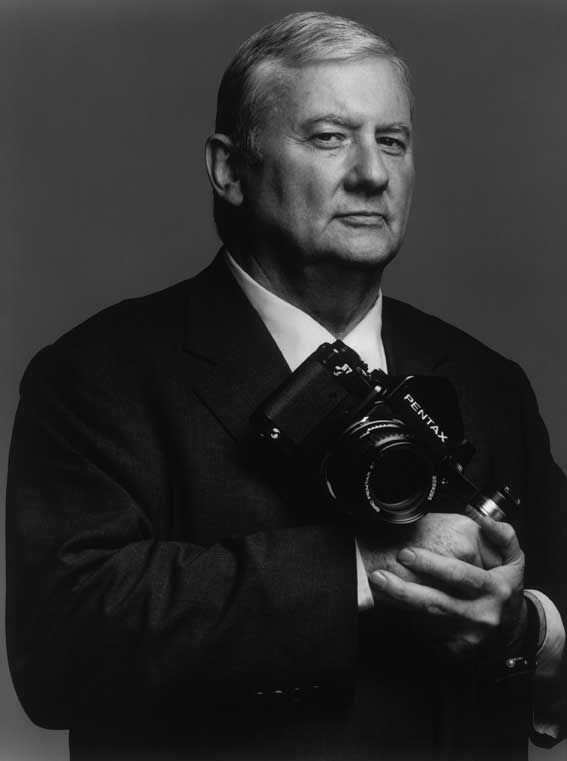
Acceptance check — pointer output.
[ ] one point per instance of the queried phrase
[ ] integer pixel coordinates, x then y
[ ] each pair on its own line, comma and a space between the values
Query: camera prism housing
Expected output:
383, 447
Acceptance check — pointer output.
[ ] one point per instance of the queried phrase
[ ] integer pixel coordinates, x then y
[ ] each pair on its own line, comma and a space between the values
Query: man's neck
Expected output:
336, 295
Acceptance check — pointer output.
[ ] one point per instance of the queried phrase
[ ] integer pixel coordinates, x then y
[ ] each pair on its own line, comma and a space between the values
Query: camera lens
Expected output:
378, 467
399, 479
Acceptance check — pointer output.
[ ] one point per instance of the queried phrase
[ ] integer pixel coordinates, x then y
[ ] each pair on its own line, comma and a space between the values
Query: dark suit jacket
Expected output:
171, 594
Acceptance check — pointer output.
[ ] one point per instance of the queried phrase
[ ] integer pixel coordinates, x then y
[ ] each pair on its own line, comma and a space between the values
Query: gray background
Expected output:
107, 105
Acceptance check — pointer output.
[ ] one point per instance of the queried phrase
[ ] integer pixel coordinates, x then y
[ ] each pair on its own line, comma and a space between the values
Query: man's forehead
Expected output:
346, 90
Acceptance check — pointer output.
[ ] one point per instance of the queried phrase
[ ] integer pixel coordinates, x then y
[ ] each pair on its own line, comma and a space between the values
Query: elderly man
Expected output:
173, 593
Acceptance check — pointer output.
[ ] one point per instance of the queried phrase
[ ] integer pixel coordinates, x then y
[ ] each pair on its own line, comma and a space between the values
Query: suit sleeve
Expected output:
104, 614
545, 539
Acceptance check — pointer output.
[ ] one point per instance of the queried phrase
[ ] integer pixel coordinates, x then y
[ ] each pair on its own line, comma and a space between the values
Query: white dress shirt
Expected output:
297, 335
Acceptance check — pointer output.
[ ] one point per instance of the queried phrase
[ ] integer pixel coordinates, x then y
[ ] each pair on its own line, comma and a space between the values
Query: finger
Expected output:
502, 536
490, 557
415, 597
457, 576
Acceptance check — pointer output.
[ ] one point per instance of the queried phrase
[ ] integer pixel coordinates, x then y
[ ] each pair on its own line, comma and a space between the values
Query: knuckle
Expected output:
459, 576
434, 609
489, 618
466, 552
491, 621
477, 583
504, 590
463, 579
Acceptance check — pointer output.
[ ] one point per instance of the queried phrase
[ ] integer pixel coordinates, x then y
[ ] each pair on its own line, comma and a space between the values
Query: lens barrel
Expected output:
494, 504
379, 463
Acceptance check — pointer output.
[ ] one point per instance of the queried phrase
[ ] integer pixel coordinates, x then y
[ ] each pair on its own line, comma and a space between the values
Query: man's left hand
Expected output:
469, 612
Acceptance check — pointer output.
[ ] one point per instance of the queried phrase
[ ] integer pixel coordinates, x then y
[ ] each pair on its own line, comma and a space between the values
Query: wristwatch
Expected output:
525, 661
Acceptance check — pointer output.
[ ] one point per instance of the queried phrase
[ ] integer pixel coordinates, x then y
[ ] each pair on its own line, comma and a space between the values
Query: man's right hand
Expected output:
468, 612
449, 534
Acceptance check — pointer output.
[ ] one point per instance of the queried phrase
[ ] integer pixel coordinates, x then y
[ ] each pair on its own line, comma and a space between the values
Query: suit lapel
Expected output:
411, 347
235, 361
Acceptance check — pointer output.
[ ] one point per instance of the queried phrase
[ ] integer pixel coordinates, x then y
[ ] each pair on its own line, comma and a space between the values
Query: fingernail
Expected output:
379, 578
407, 557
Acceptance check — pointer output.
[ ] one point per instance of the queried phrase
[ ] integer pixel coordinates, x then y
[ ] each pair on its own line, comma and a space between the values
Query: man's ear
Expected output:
222, 168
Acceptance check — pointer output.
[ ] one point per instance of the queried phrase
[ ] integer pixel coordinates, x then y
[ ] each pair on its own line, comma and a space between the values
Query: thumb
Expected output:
503, 537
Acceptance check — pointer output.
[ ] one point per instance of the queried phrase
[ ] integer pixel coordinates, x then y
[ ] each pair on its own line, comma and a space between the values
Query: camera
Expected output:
383, 448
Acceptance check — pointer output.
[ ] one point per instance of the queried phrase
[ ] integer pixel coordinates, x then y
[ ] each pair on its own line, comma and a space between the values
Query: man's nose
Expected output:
368, 170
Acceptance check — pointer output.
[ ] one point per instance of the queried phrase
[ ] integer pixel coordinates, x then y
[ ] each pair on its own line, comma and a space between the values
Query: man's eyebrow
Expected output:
399, 127
338, 119
342, 121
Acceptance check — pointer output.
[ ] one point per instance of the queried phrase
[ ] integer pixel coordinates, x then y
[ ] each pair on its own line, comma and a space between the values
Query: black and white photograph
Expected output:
284, 437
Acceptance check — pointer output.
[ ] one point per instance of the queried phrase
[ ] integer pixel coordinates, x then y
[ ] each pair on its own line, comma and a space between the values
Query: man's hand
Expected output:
449, 534
466, 609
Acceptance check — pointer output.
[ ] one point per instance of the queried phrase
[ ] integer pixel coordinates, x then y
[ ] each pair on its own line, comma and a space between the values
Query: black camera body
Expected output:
384, 447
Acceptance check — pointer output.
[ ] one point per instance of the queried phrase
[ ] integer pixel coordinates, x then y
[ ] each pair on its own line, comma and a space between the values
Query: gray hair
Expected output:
295, 40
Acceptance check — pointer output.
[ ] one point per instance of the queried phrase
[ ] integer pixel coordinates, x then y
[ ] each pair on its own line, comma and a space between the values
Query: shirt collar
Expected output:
297, 334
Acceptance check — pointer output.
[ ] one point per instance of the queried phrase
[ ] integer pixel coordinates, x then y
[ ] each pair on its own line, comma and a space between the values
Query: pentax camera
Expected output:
382, 447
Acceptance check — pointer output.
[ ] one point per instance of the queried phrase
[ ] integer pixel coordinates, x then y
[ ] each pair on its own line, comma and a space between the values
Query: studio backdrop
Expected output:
107, 107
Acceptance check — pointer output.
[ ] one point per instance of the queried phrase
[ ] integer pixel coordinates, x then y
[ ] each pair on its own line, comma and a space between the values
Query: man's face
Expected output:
336, 175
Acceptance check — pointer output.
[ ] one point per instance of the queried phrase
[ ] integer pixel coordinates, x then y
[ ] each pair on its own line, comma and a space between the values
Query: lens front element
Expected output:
378, 466
399, 480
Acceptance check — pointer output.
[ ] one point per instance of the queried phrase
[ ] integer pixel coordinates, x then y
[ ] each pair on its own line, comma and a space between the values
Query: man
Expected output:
173, 593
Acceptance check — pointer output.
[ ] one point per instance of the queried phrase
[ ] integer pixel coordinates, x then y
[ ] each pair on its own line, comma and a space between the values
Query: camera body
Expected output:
384, 447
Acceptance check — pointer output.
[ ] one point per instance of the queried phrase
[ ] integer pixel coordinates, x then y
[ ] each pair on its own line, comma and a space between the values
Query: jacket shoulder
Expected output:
121, 335
427, 329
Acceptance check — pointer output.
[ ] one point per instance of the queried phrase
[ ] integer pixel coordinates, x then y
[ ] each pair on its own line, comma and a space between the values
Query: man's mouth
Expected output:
362, 218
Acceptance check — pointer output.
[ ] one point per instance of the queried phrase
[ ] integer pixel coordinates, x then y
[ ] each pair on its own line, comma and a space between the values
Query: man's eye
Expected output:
329, 139
392, 145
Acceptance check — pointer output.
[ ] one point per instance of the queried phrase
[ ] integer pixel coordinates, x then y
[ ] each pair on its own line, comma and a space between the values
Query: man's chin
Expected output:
364, 247
361, 257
